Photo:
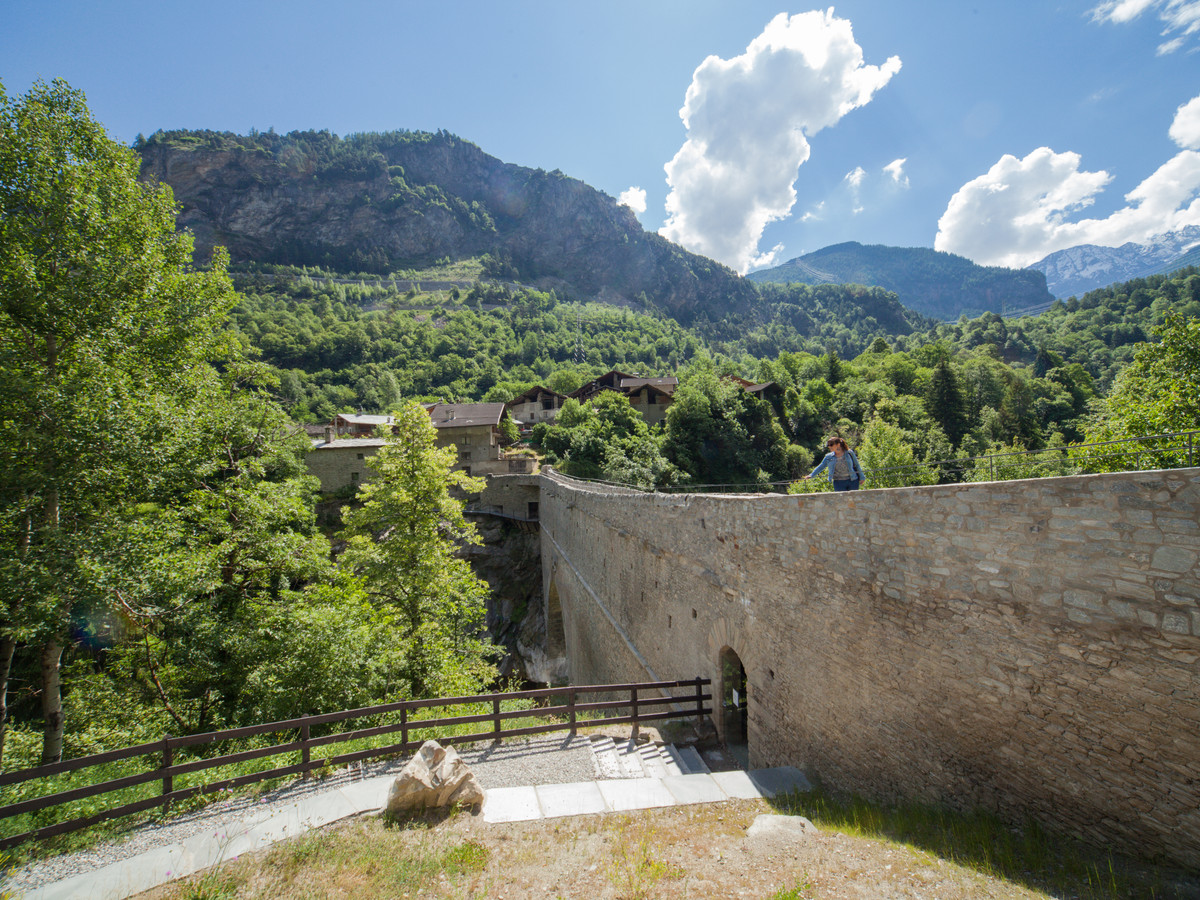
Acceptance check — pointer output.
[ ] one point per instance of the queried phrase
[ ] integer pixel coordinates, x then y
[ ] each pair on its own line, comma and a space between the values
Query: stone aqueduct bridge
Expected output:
1031, 647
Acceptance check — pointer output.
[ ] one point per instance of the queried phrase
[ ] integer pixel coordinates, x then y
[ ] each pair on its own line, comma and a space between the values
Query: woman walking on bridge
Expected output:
845, 474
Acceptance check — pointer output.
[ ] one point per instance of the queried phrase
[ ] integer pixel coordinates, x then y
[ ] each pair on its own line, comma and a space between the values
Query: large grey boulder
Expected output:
436, 777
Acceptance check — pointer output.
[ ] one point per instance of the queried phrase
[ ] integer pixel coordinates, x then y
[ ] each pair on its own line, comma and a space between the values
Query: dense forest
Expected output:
843, 355
162, 566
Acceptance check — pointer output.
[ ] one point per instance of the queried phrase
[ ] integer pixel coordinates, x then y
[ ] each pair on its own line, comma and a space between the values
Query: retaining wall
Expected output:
1031, 647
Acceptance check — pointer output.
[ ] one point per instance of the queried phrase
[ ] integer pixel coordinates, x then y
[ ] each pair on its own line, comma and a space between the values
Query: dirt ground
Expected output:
681, 852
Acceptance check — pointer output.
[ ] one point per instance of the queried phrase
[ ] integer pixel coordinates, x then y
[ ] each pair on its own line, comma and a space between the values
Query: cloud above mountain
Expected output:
1019, 211
748, 122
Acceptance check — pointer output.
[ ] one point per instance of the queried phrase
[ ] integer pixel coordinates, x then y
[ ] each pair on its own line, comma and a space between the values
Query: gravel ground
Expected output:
553, 759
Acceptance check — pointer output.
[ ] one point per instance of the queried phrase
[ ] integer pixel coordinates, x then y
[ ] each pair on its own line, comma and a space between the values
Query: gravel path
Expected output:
552, 759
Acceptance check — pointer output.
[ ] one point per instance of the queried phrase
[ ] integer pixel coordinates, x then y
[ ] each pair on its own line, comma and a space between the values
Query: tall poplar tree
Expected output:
102, 324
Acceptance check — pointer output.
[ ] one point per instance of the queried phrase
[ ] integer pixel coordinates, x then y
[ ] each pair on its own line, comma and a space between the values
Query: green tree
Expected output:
719, 434
402, 543
945, 402
889, 459
102, 322
1160, 390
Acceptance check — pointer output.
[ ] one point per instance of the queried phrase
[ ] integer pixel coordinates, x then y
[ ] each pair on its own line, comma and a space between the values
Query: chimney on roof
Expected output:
329, 434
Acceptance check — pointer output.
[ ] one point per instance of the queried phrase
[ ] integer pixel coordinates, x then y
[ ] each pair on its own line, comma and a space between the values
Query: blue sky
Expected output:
998, 130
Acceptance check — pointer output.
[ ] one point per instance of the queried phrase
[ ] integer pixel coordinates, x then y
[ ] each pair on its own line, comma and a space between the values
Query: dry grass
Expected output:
682, 852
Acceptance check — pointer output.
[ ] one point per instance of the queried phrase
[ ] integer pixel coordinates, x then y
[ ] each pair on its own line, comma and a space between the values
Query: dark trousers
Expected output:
848, 484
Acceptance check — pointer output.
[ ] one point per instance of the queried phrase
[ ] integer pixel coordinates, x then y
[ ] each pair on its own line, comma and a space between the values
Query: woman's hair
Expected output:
834, 441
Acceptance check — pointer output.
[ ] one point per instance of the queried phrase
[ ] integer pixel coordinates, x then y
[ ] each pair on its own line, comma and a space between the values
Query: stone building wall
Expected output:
341, 464
1031, 647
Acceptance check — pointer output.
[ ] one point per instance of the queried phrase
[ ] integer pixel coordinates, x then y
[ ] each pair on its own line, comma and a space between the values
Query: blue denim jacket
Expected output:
830, 458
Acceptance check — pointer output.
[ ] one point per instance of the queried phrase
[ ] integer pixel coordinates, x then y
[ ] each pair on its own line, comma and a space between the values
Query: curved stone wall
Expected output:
1031, 647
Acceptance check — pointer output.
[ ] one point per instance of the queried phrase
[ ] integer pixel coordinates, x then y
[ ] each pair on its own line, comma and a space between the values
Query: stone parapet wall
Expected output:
1030, 646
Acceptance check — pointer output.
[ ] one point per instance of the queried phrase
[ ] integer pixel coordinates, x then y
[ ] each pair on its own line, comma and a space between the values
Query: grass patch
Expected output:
802, 890
978, 840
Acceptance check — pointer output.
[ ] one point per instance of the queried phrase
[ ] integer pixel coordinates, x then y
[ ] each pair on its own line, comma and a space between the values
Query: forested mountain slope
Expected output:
380, 202
931, 282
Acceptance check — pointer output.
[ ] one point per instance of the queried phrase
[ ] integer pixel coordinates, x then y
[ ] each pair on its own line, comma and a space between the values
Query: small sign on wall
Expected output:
737, 700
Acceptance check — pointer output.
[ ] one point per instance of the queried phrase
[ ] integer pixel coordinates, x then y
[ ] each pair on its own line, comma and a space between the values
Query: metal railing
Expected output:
636, 704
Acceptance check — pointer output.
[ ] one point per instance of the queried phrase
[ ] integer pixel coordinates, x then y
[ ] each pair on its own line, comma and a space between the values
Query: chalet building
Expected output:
610, 381
650, 396
537, 404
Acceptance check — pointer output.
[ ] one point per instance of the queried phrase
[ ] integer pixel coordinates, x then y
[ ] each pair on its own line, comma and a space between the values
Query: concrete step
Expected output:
689, 760
628, 759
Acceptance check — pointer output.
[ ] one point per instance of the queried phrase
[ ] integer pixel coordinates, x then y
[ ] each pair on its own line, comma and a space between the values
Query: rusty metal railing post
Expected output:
633, 705
168, 783
571, 708
496, 719
304, 751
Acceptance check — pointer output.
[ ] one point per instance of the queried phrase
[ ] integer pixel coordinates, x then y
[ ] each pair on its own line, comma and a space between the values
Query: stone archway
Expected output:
734, 710
729, 655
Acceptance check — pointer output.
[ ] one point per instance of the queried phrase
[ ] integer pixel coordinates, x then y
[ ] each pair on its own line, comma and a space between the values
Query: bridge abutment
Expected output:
1030, 647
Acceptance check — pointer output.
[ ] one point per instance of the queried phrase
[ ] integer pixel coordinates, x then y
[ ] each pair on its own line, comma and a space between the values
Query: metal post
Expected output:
304, 752
633, 703
404, 729
699, 702
571, 708
496, 718
168, 783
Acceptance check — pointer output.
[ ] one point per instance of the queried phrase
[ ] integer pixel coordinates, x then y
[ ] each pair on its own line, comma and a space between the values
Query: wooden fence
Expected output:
636, 704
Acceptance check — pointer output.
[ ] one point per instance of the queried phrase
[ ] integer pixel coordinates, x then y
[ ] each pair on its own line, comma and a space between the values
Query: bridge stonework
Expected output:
1030, 647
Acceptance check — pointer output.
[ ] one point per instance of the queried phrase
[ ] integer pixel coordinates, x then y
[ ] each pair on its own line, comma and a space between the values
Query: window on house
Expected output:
547, 404
354, 476
360, 456
464, 454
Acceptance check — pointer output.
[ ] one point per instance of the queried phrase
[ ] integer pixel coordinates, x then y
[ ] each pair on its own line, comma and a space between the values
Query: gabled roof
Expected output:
610, 380
665, 385
466, 415
532, 394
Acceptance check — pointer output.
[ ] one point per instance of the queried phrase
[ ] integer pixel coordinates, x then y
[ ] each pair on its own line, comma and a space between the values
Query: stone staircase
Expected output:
651, 759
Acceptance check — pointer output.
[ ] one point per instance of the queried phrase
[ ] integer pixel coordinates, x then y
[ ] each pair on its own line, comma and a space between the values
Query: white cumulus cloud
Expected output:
1179, 17
895, 169
1185, 130
1019, 211
748, 121
634, 198
856, 177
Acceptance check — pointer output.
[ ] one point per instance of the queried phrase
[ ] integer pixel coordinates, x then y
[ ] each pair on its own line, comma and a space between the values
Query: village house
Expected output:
341, 463
649, 396
473, 430
538, 404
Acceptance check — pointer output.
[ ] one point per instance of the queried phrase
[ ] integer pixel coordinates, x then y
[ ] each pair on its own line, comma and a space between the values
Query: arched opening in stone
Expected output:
556, 636
735, 710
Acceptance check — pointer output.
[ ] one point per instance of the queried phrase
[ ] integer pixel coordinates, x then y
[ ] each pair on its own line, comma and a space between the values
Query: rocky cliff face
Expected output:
404, 200
509, 560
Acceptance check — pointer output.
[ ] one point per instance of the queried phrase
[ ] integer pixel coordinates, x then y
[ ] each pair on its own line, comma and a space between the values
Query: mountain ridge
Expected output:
931, 282
1088, 267
378, 202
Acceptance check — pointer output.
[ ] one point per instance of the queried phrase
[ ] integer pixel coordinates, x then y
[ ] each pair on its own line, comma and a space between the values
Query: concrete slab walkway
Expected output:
512, 804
